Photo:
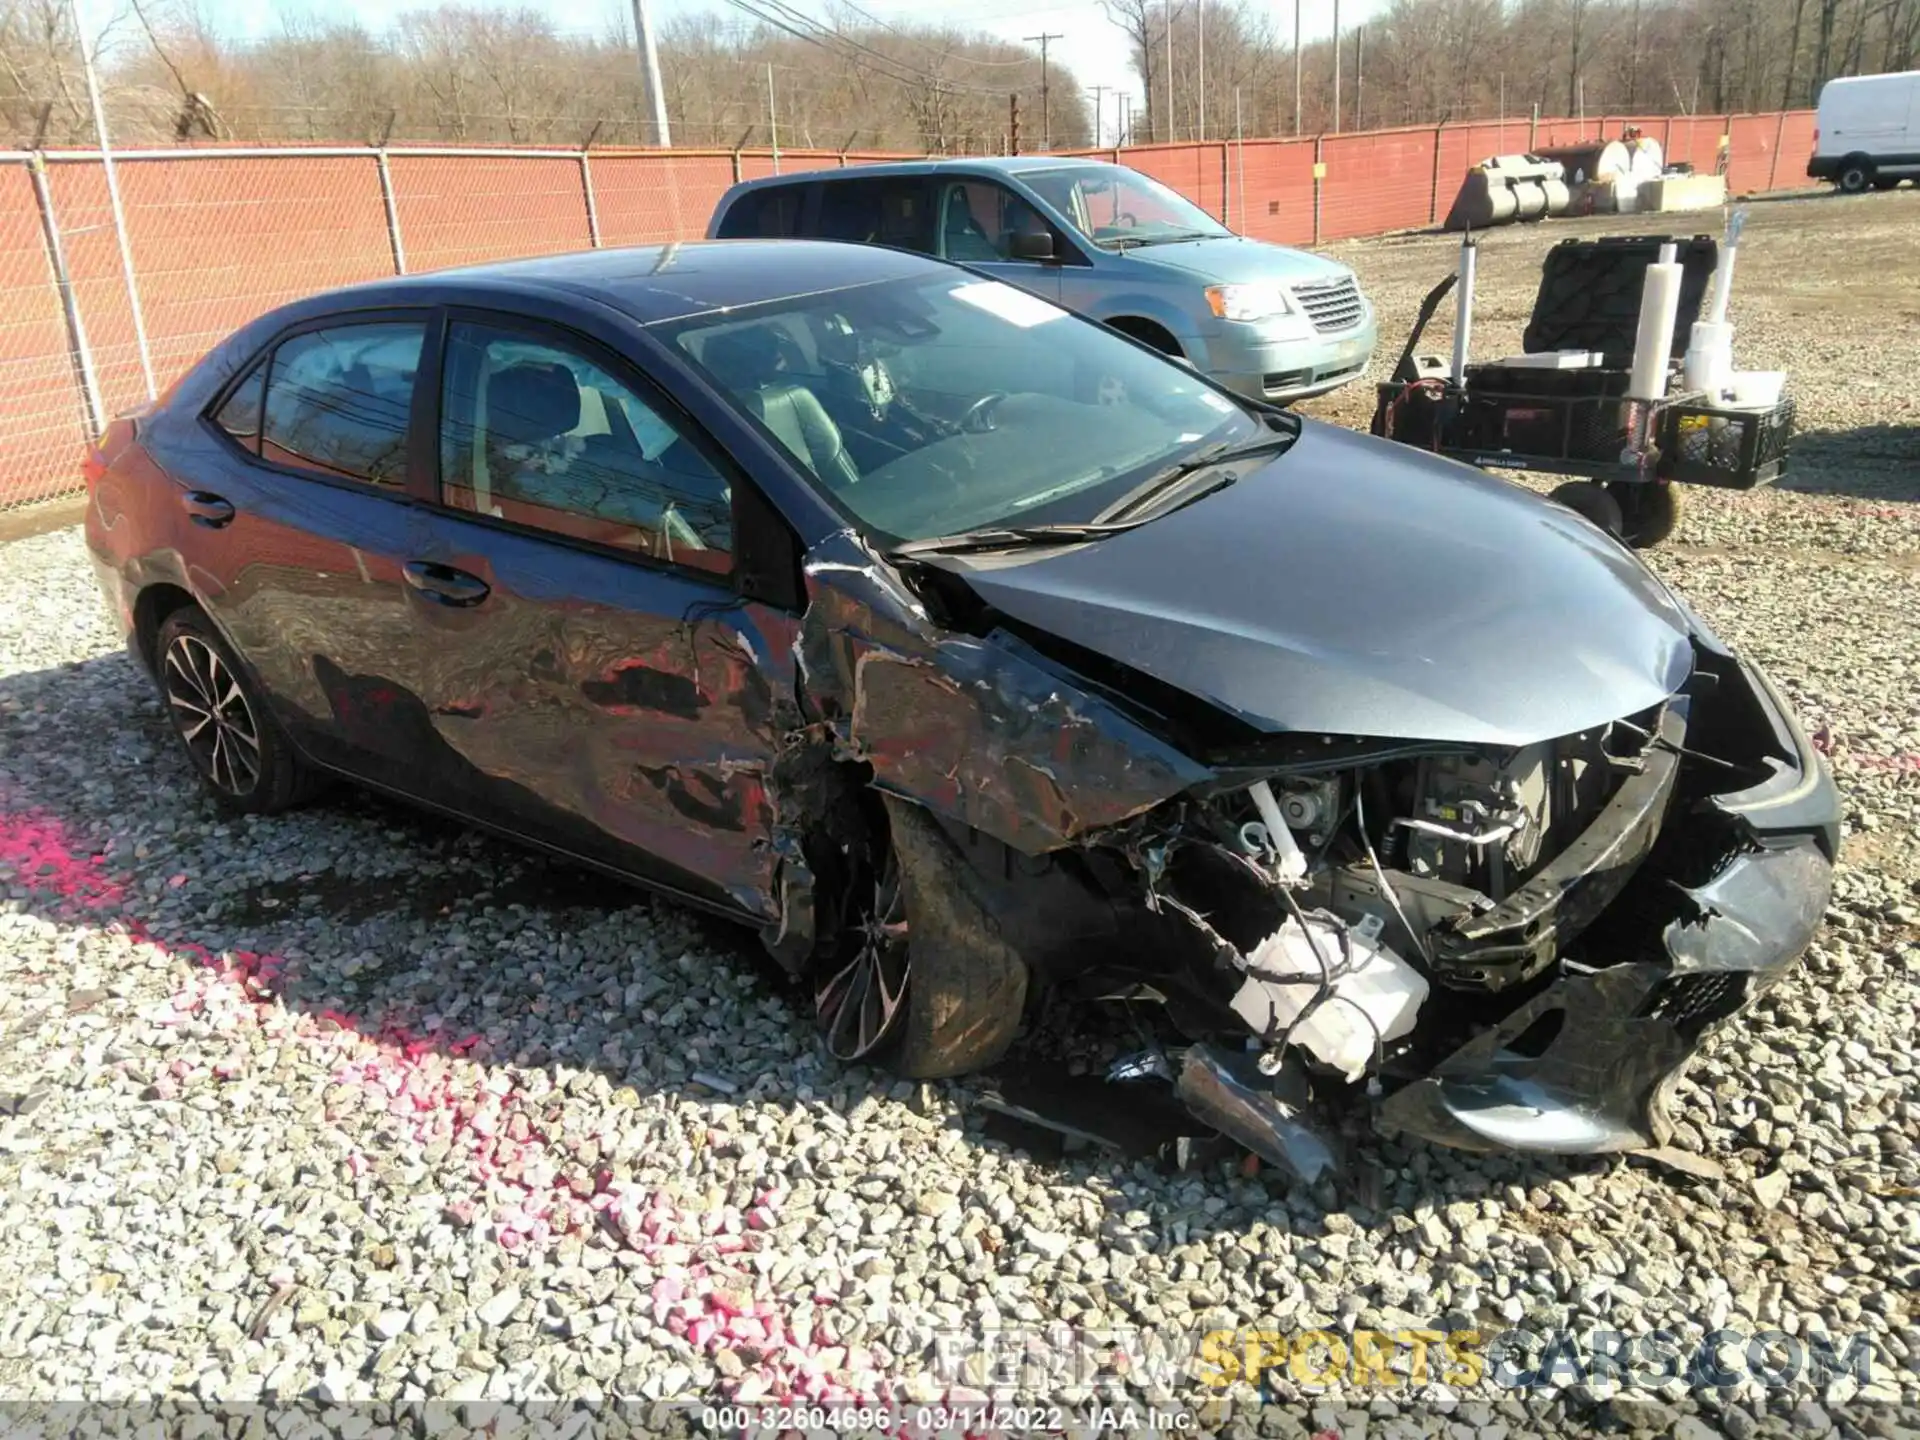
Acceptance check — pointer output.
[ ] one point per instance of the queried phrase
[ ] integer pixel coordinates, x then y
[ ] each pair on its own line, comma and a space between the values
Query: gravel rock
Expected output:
455, 1106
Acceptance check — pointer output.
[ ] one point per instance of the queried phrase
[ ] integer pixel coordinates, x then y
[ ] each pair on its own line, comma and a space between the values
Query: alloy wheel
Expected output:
211, 712
859, 1005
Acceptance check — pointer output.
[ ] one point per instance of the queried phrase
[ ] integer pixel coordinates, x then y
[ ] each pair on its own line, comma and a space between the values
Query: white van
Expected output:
1867, 133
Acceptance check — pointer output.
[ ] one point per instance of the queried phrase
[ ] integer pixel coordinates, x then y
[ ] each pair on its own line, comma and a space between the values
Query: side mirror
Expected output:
1032, 245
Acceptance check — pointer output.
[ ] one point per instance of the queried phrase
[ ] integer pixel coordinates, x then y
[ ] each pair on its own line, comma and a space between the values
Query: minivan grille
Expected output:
1332, 305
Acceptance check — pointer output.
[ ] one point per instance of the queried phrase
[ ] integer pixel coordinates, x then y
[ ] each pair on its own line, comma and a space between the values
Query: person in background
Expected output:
1643, 152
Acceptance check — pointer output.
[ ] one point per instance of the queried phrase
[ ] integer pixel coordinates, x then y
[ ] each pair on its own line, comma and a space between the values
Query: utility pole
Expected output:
1633, 61
1046, 111
1296, 67
1200, 19
650, 65
1336, 67
773, 120
1168, 127
1013, 124
1099, 114
1359, 75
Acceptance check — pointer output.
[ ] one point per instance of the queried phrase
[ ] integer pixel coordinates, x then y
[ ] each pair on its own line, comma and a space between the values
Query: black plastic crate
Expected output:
1736, 449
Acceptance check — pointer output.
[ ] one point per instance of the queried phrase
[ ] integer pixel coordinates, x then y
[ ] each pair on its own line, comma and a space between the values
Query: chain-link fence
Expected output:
98, 309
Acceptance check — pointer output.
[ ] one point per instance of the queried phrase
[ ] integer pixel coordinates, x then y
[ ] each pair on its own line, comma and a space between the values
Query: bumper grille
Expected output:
1333, 305
1278, 382
1690, 1003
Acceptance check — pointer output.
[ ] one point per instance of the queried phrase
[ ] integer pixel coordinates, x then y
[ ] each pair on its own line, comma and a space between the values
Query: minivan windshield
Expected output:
1116, 207
927, 407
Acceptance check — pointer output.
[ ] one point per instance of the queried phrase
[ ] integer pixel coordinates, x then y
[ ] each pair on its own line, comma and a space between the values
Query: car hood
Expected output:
1352, 586
1234, 260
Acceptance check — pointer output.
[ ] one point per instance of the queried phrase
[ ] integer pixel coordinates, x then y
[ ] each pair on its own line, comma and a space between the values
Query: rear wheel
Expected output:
1649, 513
1856, 175
238, 751
1583, 497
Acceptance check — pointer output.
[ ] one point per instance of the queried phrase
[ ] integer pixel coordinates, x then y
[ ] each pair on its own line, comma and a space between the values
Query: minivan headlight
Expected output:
1248, 302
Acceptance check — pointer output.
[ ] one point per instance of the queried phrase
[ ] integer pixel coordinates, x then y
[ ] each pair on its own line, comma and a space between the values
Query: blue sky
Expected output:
1090, 45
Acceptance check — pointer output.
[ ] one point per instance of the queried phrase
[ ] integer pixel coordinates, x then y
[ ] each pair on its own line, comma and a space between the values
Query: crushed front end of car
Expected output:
1478, 836
1495, 949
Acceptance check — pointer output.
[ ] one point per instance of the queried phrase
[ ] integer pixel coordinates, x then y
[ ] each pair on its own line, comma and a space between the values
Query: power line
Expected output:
884, 66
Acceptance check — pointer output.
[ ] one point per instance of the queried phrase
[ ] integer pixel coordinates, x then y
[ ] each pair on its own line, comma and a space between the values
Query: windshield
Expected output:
1114, 206
930, 406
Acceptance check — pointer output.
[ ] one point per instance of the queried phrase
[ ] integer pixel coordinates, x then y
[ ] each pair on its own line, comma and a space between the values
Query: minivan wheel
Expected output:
922, 978
1586, 498
1856, 176
239, 753
1649, 513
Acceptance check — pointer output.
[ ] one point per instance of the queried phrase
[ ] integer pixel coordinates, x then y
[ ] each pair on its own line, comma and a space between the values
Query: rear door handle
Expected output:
204, 507
445, 585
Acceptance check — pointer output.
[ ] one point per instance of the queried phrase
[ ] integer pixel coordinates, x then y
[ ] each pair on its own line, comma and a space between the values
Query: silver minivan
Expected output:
1272, 323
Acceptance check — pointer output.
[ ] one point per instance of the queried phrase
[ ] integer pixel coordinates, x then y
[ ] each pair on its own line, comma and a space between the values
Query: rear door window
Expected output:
879, 210
769, 214
240, 415
338, 401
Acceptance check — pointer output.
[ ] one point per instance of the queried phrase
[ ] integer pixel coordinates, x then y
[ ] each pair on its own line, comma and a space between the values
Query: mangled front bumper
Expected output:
1587, 1064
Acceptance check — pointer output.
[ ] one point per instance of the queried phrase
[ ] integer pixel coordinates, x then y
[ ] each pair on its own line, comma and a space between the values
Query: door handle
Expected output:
445, 585
204, 507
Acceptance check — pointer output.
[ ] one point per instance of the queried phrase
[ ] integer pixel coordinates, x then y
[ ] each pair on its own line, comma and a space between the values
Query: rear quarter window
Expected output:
769, 214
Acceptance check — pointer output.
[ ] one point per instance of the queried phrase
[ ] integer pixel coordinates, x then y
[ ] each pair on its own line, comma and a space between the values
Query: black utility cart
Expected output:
1623, 455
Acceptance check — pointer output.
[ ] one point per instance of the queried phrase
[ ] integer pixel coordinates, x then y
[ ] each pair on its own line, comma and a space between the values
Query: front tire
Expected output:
922, 979
236, 748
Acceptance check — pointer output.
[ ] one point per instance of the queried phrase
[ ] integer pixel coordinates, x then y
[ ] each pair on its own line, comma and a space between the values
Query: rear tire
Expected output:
1583, 497
234, 744
1856, 175
1649, 513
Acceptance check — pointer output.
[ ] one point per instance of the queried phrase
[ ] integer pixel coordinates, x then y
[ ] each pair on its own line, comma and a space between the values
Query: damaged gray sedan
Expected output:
967, 648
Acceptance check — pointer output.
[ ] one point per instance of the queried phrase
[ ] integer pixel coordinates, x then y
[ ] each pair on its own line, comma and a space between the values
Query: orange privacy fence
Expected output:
216, 235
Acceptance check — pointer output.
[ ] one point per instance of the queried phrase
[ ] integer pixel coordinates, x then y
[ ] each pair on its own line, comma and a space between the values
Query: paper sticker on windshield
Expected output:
1014, 306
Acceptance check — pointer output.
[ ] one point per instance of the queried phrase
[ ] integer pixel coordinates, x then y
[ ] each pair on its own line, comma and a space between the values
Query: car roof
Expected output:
979, 164
654, 283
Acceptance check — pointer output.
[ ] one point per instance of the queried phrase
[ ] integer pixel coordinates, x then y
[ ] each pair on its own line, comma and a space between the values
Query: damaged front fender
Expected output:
982, 730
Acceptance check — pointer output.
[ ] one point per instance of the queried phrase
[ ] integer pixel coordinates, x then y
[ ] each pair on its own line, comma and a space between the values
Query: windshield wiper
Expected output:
1009, 537
1180, 235
1157, 484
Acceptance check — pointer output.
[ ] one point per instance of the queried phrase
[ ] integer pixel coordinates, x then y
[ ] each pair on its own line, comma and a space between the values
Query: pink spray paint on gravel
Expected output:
532, 1193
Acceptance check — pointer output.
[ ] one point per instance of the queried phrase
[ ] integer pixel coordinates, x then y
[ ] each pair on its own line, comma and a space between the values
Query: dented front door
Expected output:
613, 708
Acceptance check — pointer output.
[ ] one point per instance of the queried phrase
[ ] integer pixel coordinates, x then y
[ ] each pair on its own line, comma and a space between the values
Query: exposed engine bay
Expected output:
1343, 935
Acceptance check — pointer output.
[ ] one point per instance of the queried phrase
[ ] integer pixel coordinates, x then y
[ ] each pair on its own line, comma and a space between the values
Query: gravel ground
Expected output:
353, 1105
